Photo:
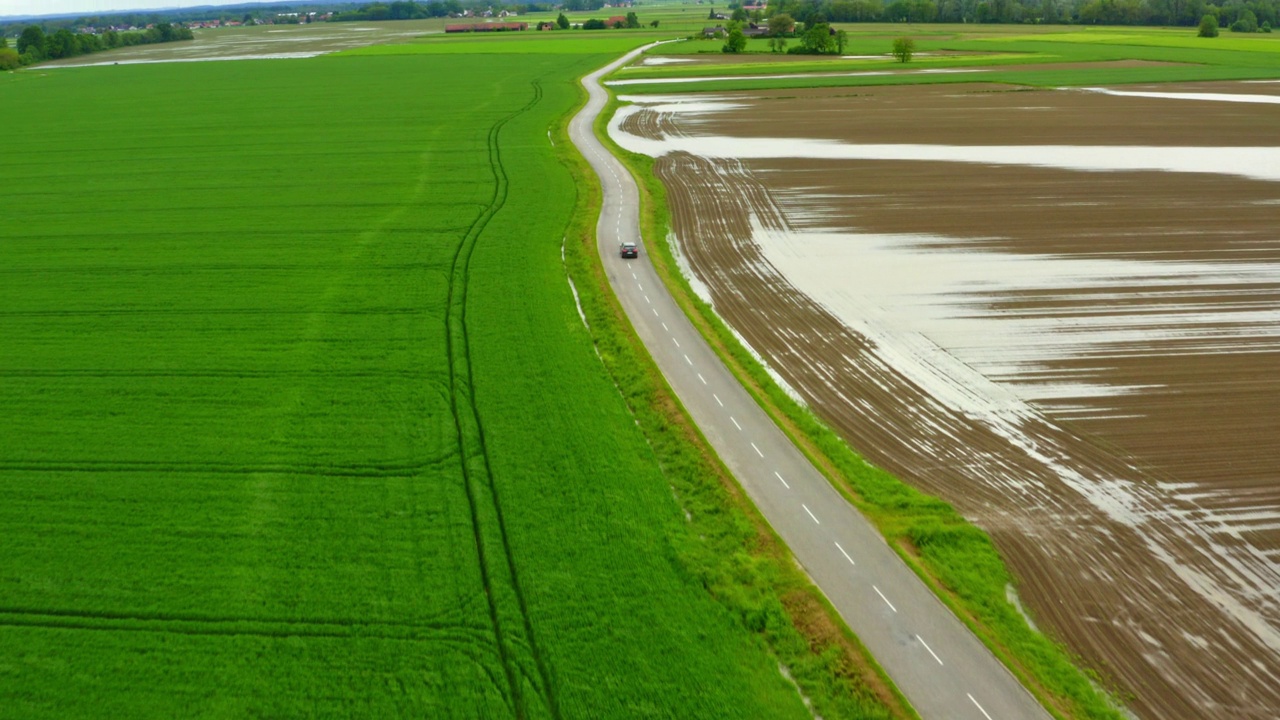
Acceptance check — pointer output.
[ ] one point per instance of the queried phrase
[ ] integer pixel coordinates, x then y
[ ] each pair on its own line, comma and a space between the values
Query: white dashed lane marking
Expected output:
811, 515
851, 562
784, 482
753, 447
686, 359
975, 703
735, 423
704, 380
717, 397
885, 599
931, 652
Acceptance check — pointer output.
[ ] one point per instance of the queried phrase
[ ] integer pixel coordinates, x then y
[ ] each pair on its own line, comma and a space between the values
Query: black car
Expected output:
629, 250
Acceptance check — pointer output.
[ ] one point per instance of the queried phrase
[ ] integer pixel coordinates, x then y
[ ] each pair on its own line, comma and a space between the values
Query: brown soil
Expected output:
1172, 590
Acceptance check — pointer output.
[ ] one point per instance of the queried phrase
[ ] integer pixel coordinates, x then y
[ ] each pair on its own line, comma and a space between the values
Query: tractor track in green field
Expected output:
466, 416
408, 468
447, 631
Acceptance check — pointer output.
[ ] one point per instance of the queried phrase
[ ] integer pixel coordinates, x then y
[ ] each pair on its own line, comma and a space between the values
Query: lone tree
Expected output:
818, 40
31, 39
781, 24
562, 22
1208, 26
903, 49
737, 42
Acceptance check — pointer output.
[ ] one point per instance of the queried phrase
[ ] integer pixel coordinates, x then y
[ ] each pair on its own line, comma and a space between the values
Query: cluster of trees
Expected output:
815, 38
403, 10
1101, 12
410, 10
583, 5
631, 21
34, 45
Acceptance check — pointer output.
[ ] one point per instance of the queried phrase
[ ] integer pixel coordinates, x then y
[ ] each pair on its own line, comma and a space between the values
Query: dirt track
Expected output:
1119, 445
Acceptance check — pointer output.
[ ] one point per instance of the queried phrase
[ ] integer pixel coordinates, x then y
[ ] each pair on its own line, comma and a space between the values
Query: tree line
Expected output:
410, 10
34, 45
1186, 13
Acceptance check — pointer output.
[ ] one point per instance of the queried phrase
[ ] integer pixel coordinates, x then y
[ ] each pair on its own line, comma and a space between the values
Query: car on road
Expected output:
629, 250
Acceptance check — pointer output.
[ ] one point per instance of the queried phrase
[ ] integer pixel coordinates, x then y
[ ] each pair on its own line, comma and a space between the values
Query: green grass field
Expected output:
1092, 55
301, 420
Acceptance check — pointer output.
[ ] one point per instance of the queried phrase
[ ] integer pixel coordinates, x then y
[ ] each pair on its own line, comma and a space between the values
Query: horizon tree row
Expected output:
35, 46
1186, 13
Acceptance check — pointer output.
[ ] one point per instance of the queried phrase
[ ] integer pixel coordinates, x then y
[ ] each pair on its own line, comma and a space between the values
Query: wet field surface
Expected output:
1058, 310
263, 42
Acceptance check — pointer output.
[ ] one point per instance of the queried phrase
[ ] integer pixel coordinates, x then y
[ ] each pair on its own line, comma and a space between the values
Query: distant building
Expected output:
486, 27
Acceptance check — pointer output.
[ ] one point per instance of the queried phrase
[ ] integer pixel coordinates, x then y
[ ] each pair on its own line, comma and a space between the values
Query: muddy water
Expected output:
1080, 360
258, 43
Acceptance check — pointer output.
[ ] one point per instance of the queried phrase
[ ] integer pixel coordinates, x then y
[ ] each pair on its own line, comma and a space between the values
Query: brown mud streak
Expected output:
1093, 581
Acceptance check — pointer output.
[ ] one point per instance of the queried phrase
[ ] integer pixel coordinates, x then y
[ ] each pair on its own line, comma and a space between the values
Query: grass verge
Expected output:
730, 549
955, 558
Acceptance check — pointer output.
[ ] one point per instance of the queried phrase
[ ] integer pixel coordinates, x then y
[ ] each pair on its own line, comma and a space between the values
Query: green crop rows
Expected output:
300, 418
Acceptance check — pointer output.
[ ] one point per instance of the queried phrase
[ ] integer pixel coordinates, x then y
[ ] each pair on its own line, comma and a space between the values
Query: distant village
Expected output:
302, 18
55, 38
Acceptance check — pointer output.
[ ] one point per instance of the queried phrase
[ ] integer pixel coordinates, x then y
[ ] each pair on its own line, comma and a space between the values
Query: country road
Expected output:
943, 670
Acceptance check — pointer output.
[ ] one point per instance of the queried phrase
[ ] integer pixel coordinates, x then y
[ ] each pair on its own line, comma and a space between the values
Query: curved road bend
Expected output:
944, 671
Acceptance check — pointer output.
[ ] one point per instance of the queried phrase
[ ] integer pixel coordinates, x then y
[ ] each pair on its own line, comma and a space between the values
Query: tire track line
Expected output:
461, 383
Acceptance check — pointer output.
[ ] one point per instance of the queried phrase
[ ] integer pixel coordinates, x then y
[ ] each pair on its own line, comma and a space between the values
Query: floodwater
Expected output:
1058, 310
260, 56
1211, 97
258, 43
714, 78
1261, 163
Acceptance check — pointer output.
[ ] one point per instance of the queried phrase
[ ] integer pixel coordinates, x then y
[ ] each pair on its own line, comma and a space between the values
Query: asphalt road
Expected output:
943, 670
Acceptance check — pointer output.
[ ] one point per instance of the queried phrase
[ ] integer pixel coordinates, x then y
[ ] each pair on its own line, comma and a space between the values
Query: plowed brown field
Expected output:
1082, 362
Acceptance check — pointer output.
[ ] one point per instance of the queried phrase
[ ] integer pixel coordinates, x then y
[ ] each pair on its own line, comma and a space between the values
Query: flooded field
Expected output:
263, 42
1058, 310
